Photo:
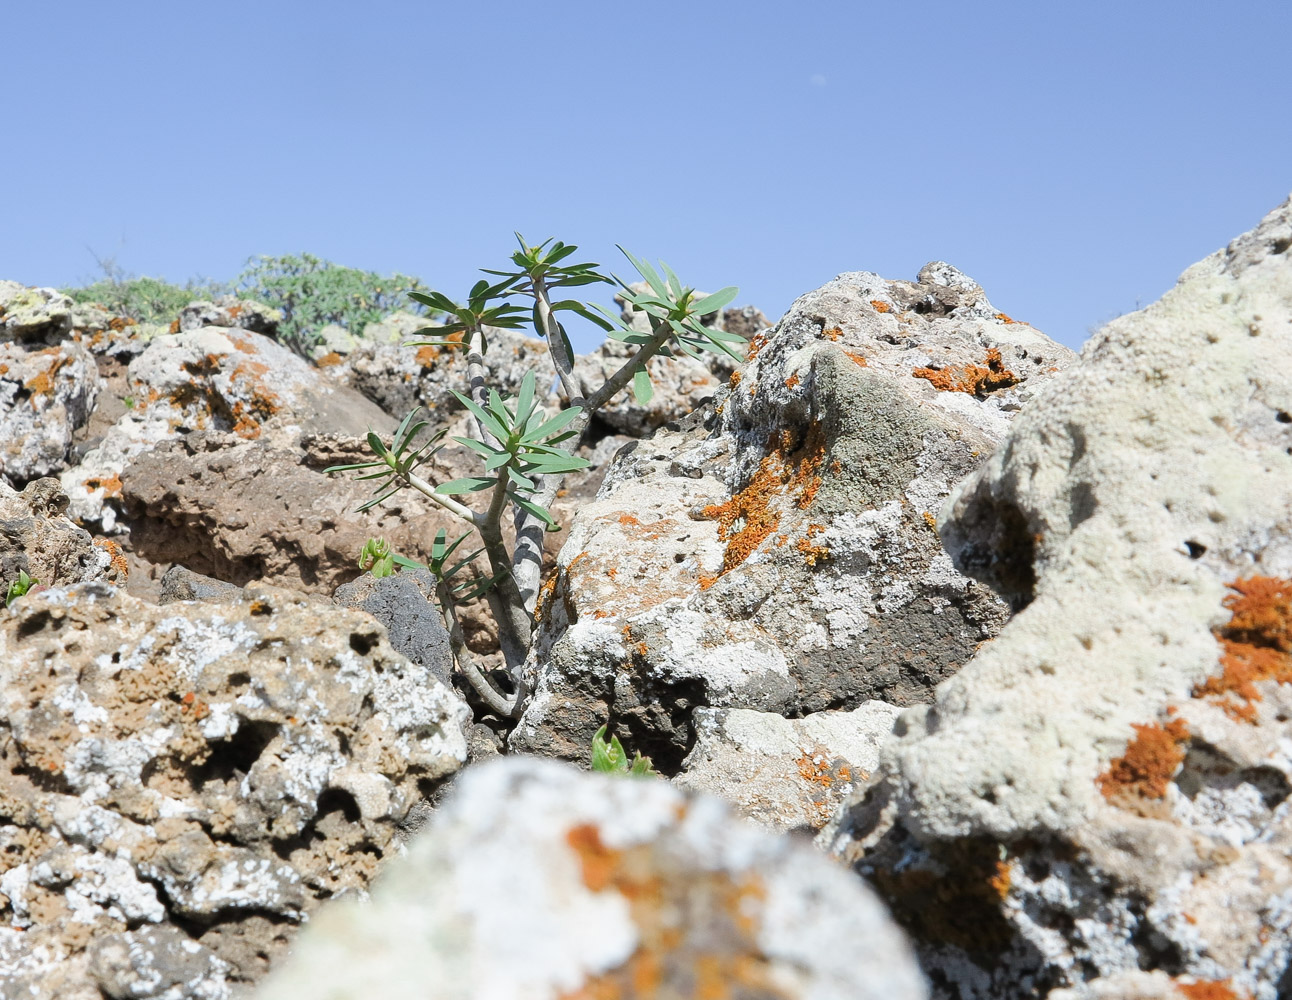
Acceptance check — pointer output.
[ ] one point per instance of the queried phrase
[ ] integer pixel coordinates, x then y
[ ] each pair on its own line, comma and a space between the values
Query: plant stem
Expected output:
505, 706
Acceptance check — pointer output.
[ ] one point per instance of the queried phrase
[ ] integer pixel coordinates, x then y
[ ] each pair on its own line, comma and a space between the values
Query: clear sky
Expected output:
1071, 157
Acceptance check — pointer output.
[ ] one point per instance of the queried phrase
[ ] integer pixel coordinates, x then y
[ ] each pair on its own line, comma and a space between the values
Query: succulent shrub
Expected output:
526, 447
312, 293
143, 299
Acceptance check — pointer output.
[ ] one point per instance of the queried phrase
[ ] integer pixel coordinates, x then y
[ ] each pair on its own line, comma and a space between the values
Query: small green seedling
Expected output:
19, 587
612, 758
376, 558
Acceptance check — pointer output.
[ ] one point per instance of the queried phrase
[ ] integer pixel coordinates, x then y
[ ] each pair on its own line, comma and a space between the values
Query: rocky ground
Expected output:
1006, 630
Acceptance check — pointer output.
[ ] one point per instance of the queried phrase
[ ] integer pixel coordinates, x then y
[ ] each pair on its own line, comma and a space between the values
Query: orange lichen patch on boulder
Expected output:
628, 520
545, 592
119, 323
792, 381
328, 360
42, 383
859, 358
174, 326
697, 932
881, 306
833, 333
1006, 319
976, 380
813, 553
757, 344
791, 468
735, 378
110, 485
1255, 645
931, 521
120, 565
426, 355
1150, 762
1209, 989
826, 777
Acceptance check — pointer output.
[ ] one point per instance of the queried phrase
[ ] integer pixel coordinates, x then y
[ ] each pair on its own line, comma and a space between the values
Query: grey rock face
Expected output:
181, 584
46, 395
182, 785
36, 538
785, 773
1102, 793
776, 550
538, 881
229, 311
405, 604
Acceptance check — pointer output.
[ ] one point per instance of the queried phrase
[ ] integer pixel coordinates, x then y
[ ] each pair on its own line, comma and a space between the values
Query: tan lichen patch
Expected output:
813, 552
697, 931
930, 520
1255, 645
791, 468
1145, 770
976, 380
328, 360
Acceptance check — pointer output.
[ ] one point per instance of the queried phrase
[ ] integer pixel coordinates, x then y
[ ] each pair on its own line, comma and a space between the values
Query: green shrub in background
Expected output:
312, 292
143, 299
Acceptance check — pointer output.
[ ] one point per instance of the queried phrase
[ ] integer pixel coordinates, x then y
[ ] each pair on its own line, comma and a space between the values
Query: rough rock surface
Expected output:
1106, 788
36, 538
785, 773
405, 604
33, 313
180, 786
241, 510
179, 583
776, 550
629, 889
398, 378
230, 311
46, 395
213, 378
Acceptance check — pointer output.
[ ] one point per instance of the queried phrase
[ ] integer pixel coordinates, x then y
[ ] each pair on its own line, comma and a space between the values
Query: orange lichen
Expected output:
931, 521
116, 558
812, 553
880, 306
1209, 989
628, 520
792, 381
426, 355
1006, 319
734, 381
697, 932
174, 326
1255, 645
328, 360
859, 358
791, 468
707, 581
976, 380
599, 613
757, 344
833, 333
119, 323
1149, 764
110, 485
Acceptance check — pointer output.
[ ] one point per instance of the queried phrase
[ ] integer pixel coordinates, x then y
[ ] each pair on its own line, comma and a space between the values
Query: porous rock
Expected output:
1106, 787
179, 583
213, 378
776, 550
241, 510
538, 881
788, 774
46, 396
33, 313
229, 311
181, 786
37, 538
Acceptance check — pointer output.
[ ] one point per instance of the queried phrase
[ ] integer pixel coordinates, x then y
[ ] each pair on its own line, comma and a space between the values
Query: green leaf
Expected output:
642, 388
550, 427
350, 468
497, 460
529, 506
712, 303
479, 447
647, 272
524, 482
525, 399
543, 464
608, 758
490, 422
675, 286
469, 484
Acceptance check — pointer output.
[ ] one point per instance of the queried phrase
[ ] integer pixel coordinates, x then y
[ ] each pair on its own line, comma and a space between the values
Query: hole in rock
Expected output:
239, 679
236, 755
339, 800
1283, 417
362, 643
1196, 549
1277, 247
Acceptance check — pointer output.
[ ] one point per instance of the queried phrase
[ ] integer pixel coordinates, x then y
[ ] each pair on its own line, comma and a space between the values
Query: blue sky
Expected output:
1073, 158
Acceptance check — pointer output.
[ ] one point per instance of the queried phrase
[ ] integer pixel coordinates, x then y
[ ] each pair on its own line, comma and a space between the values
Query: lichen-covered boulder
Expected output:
37, 538
776, 550
397, 378
181, 785
536, 881
212, 378
1106, 788
788, 774
229, 311
46, 396
33, 313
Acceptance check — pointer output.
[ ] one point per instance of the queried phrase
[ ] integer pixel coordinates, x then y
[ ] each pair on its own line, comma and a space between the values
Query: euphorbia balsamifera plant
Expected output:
525, 450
